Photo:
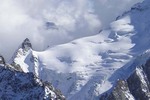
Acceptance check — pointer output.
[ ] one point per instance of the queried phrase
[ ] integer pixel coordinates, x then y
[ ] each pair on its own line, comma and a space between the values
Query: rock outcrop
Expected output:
16, 85
135, 87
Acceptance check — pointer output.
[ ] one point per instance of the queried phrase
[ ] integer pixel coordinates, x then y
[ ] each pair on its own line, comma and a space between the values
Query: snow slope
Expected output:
85, 68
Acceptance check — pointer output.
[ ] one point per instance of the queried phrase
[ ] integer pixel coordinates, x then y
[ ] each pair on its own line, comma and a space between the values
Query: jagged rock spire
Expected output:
26, 44
2, 60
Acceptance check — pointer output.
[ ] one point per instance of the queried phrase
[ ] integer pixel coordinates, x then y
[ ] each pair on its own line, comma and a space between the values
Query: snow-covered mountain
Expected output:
16, 85
86, 68
134, 87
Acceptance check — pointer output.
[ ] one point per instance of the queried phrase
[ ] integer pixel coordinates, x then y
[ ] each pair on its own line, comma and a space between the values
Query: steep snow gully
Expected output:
97, 67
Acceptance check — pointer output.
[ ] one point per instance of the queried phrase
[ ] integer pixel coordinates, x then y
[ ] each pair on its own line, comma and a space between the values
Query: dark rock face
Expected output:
146, 69
139, 84
15, 66
136, 86
120, 92
26, 44
2, 60
120, 88
15, 85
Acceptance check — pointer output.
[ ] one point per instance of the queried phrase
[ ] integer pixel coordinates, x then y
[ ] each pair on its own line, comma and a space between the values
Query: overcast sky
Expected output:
52, 22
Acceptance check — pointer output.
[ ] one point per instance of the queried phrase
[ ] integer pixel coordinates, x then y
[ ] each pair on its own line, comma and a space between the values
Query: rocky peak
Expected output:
26, 44
2, 60
20, 55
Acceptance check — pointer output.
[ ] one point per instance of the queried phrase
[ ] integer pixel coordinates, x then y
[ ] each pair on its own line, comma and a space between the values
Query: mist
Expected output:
52, 22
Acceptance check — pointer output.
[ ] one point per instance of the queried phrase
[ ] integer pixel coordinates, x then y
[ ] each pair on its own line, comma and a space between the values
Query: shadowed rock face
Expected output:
26, 44
136, 86
2, 60
119, 92
139, 84
15, 85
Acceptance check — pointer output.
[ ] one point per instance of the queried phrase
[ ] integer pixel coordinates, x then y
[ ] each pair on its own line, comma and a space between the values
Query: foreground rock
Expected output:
16, 85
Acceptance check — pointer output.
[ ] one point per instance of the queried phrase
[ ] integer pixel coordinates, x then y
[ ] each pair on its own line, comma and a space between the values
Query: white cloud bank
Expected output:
68, 19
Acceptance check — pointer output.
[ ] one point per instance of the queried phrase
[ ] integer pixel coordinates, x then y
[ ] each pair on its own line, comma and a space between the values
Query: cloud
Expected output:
52, 22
